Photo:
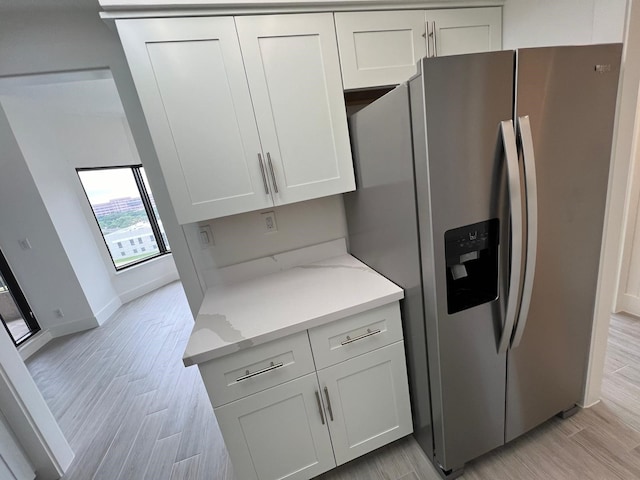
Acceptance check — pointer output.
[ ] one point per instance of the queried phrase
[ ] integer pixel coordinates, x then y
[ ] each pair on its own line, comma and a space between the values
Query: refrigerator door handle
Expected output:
531, 198
515, 206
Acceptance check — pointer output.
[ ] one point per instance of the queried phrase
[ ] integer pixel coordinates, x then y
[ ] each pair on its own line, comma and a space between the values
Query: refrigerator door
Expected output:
569, 94
457, 106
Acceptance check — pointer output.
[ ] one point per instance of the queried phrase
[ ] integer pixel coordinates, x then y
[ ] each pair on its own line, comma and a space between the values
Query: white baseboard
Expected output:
34, 344
589, 405
143, 289
630, 304
108, 310
73, 327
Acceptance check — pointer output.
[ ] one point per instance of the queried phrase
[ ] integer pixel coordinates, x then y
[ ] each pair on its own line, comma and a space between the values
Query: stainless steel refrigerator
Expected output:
481, 190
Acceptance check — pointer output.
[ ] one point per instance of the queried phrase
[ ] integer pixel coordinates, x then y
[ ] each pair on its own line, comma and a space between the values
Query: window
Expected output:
124, 208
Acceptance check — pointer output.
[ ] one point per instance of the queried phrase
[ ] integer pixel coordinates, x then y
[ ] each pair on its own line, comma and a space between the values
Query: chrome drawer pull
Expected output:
360, 337
260, 372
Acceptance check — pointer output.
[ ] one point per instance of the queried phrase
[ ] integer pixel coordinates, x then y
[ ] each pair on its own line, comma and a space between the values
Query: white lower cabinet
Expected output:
303, 427
279, 433
369, 399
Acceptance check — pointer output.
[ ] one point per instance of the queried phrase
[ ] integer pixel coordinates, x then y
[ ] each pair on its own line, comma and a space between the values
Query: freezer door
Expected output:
569, 94
457, 107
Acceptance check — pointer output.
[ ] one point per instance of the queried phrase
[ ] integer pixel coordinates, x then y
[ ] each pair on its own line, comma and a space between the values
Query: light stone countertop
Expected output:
238, 316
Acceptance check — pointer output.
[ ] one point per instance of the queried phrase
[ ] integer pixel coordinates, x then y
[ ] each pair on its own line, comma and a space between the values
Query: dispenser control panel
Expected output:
471, 253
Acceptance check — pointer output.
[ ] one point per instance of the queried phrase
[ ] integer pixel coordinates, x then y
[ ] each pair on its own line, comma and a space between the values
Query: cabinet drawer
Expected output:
257, 368
355, 335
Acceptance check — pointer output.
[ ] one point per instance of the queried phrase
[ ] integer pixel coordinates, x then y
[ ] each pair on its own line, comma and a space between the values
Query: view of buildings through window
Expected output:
126, 212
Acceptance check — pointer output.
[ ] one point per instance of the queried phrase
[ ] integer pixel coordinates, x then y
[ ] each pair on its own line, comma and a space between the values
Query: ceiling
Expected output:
80, 96
48, 5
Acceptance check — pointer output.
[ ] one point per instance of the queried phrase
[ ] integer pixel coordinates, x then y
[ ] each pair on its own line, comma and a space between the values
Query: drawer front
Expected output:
355, 335
257, 368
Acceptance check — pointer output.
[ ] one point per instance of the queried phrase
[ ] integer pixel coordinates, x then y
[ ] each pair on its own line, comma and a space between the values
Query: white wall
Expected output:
536, 23
45, 140
44, 272
42, 40
68, 125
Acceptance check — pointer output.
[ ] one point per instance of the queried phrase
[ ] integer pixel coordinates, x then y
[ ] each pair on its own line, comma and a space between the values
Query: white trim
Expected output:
34, 344
73, 327
142, 289
108, 310
170, 8
610, 257
29, 416
589, 405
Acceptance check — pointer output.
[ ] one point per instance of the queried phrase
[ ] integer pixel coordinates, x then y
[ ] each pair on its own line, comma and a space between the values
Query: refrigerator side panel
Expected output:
466, 97
383, 231
569, 93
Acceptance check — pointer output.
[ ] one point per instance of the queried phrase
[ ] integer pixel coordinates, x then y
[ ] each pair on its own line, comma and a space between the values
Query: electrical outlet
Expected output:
59, 313
206, 236
25, 244
269, 222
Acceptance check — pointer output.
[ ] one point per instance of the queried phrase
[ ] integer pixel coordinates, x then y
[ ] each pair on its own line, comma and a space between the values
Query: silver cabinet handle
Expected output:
273, 174
260, 372
320, 406
427, 37
435, 39
326, 394
531, 200
264, 176
515, 205
360, 337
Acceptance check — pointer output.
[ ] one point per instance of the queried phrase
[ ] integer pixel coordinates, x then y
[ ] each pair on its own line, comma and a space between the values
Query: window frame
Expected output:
148, 208
13, 287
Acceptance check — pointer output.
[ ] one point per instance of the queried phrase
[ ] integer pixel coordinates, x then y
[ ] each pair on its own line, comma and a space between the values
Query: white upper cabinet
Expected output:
293, 69
382, 48
465, 30
191, 82
237, 129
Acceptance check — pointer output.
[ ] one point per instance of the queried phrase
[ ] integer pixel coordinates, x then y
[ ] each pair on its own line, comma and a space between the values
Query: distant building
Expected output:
118, 205
132, 241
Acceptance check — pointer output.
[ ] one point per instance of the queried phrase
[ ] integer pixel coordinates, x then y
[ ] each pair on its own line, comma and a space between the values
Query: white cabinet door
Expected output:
380, 48
294, 75
279, 433
191, 82
369, 399
464, 30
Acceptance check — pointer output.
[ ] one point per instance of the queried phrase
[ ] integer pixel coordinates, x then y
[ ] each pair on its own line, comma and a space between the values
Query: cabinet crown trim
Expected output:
114, 9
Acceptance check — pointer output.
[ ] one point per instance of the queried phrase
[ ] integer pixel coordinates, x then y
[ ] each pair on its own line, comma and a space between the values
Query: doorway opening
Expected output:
15, 312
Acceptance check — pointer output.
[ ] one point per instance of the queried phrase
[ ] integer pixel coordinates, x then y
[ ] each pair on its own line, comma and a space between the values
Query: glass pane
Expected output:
155, 209
115, 199
11, 315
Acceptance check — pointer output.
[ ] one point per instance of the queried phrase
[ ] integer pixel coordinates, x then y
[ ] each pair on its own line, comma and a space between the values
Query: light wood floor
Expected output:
130, 410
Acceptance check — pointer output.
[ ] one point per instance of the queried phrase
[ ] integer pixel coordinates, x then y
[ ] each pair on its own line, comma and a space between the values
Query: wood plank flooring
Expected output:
131, 411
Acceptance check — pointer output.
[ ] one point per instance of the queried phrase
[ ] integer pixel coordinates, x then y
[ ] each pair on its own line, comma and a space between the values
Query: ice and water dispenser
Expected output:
472, 265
